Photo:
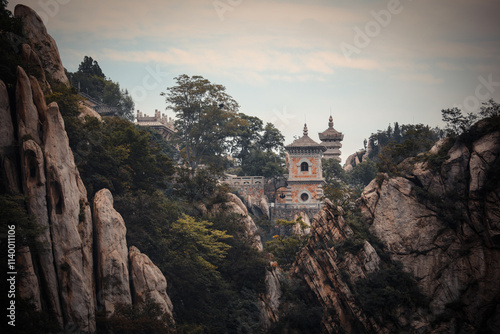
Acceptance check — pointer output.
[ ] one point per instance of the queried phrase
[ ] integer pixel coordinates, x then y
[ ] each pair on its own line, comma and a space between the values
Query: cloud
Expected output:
425, 78
272, 64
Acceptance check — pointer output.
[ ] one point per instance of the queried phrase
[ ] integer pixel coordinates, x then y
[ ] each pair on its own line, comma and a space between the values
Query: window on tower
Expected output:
304, 167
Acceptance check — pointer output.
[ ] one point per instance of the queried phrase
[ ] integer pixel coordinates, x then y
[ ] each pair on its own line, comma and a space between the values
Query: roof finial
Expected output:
305, 129
330, 122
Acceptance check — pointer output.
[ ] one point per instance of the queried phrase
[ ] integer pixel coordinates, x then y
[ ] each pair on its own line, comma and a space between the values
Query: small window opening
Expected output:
304, 167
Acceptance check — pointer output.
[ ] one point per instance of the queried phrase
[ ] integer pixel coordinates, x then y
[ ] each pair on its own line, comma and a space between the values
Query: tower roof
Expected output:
330, 134
305, 142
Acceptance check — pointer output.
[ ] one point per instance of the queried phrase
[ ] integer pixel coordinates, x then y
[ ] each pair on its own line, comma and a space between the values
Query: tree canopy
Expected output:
206, 119
91, 80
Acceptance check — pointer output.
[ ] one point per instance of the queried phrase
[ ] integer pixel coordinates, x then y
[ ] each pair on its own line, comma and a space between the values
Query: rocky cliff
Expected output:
41, 49
440, 220
81, 262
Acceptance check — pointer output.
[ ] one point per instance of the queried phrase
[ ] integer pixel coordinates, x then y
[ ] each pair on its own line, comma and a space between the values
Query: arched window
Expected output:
304, 167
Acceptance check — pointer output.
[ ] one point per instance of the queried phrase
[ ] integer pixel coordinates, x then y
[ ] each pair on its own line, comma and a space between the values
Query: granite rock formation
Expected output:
58, 274
440, 220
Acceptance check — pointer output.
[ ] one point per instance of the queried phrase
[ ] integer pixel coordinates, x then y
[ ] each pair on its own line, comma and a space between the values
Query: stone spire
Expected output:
305, 129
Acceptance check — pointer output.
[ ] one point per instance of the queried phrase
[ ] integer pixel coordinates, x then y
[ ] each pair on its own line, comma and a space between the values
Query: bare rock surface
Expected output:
112, 253
71, 223
234, 205
41, 42
442, 225
148, 281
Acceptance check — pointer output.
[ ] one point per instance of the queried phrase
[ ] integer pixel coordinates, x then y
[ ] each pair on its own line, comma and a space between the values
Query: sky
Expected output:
367, 63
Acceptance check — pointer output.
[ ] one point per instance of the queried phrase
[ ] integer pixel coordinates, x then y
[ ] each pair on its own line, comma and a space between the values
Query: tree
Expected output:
363, 173
91, 67
333, 171
197, 241
456, 122
206, 119
91, 80
490, 109
248, 133
272, 139
287, 243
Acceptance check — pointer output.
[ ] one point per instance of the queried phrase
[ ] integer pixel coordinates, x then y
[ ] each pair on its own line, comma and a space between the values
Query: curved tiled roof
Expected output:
305, 142
330, 133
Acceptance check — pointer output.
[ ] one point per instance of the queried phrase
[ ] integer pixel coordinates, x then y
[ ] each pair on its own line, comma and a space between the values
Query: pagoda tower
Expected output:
331, 138
305, 175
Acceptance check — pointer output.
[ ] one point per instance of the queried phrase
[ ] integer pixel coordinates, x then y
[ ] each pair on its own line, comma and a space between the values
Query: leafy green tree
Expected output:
490, 109
206, 119
333, 171
90, 67
286, 243
456, 122
362, 174
144, 318
91, 80
248, 134
262, 151
342, 194
198, 242
272, 140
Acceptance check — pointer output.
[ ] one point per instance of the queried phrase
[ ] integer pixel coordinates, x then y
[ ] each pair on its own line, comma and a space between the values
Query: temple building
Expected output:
160, 122
305, 175
331, 138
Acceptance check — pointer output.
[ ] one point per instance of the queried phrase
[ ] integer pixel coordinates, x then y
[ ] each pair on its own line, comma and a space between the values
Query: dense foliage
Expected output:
288, 241
214, 277
91, 80
210, 129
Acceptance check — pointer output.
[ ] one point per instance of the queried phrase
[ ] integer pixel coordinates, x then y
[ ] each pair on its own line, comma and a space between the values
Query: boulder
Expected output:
148, 281
113, 284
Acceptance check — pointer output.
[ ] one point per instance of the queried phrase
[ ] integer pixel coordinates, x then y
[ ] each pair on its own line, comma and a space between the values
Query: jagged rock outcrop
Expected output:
440, 221
270, 301
234, 205
31, 58
41, 43
7, 160
56, 274
112, 254
259, 207
442, 224
71, 223
86, 111
355, 159
324, 271
148, 281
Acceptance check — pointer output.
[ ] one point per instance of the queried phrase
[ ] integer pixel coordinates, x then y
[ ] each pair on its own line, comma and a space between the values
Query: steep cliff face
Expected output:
42, 49
234, 205
442, 224
440, 221
328, 274
58, 274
